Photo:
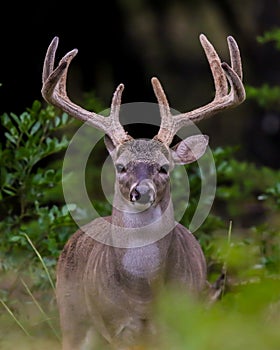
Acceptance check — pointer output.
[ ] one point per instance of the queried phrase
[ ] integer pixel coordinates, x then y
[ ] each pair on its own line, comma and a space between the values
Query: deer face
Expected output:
143, 167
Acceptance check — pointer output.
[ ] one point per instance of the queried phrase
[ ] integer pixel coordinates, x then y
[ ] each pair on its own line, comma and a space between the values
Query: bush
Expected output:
31, 201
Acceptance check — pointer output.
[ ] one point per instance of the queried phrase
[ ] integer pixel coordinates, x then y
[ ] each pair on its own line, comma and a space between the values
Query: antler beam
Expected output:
54, 92
225, 97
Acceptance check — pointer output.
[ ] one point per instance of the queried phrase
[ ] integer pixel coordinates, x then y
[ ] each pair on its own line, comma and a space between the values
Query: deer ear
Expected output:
109, 144
190, 149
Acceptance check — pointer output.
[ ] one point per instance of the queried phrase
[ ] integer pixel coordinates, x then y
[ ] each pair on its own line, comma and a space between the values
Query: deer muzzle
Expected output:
143, 193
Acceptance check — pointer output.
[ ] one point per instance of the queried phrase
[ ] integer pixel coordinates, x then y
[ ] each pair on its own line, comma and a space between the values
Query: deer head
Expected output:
143, 166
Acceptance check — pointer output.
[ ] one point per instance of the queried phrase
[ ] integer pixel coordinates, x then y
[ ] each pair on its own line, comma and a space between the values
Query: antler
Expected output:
224, 97
54, 92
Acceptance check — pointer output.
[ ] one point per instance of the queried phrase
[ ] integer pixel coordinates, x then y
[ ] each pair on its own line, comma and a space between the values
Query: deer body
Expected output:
106, 292
119, 306
123, 282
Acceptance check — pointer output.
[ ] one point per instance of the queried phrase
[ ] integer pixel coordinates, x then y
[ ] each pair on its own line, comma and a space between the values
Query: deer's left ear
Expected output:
190, 149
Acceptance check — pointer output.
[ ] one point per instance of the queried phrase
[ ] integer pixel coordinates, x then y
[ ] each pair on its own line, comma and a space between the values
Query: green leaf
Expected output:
15, 118
35, 128
64, 118
36, 106
10, 137
9, 192
6, 121
57, 121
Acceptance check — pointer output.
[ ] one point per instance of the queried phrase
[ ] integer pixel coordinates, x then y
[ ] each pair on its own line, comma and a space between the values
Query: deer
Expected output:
105, 292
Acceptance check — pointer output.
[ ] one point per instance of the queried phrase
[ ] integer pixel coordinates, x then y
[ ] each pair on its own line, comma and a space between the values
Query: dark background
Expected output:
130, 41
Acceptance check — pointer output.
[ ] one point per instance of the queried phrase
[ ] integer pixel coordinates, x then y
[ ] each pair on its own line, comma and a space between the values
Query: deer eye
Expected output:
120, 168
164, 169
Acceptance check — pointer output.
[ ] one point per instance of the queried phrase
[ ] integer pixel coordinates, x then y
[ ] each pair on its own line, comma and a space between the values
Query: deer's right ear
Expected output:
109, 144
190, 149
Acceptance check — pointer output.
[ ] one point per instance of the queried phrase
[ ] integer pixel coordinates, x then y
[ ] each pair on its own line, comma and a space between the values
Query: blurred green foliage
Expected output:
246, 319
267, 97
272, 35
30, 188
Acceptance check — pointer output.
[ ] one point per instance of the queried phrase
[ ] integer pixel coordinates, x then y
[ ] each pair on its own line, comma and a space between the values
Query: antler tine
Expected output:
167, 121
225, 98
161, 97
49, 59
220, 81
54, 92
235, 58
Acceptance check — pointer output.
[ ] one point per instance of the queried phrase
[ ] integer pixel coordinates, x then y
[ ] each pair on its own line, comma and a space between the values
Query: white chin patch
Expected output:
141, 206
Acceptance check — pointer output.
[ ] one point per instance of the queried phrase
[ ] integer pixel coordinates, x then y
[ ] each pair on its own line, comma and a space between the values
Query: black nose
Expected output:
134, 195
142, 194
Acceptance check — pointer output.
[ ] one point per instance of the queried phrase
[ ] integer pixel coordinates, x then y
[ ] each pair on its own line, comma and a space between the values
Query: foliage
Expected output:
273, 193
268, 97
30, 192
272, 35
247, 318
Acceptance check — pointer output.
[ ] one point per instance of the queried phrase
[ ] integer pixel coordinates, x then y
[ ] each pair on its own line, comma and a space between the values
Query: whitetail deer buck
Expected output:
104, 291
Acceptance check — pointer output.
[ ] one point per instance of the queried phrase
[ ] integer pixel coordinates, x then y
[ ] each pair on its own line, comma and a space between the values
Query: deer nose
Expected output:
143, 192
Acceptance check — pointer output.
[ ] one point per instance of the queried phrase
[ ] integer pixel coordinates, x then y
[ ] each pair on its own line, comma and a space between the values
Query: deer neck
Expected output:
132, 228
142, 266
